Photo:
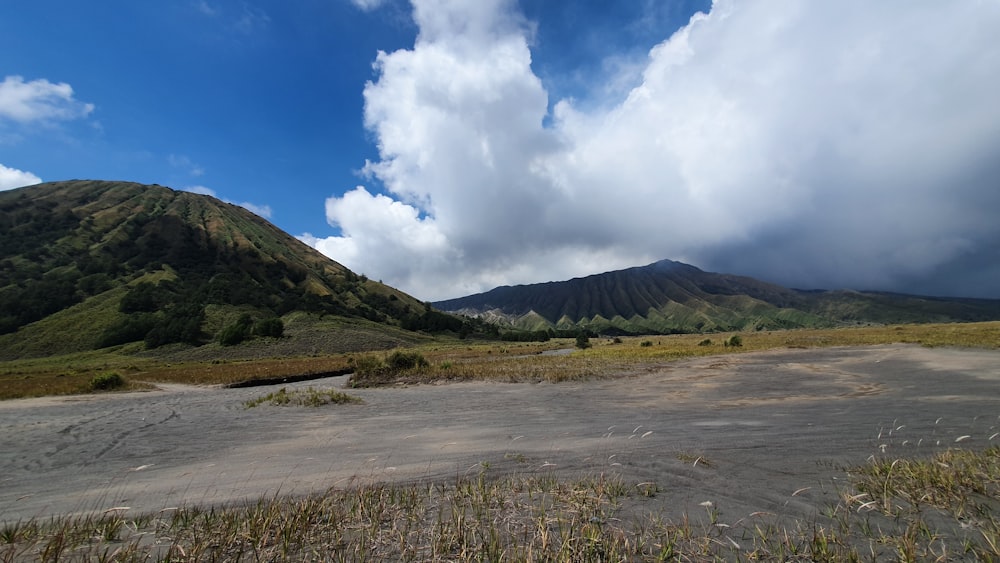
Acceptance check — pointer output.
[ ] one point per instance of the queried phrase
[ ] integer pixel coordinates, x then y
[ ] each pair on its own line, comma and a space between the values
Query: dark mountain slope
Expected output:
136, 262
667, 297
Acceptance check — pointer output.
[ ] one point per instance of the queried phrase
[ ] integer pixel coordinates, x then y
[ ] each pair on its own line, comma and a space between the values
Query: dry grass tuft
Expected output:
943, 508
303, 397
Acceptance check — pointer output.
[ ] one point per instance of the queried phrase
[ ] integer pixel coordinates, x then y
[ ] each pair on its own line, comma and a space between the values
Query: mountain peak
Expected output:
668, 297
666, 265
145, 262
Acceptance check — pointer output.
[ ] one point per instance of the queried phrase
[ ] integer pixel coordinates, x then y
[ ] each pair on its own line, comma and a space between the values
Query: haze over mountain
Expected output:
670, 297
89, 264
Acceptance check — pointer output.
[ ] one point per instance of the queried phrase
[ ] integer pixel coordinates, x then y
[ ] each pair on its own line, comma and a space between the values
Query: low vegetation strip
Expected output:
303, 397
604, 357
462, 360
540, 518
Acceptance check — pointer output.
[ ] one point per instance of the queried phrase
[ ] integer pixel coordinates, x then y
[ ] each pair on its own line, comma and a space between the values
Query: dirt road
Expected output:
767, 432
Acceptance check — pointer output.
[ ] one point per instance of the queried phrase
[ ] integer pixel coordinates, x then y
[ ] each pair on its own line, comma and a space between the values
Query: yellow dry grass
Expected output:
458, 360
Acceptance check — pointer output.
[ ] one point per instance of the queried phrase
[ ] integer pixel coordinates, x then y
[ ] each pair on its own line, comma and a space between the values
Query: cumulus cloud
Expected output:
39, 101
11, 178
398, 243
814, 145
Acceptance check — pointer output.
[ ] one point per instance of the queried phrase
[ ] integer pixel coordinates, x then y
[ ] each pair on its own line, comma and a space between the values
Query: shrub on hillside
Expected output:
272, 327
132, 328
236, 332
179, 323
107, 381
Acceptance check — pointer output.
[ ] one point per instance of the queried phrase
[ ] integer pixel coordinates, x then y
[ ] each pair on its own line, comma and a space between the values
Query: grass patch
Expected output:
303, 397
456, 360
942, 508
959, 481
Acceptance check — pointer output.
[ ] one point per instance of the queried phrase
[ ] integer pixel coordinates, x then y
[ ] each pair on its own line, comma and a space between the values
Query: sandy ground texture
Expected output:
764, 432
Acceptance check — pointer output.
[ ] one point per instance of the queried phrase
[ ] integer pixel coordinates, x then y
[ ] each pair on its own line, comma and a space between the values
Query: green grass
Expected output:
77, 327
541, 518
313, 345
303, 397
77, 245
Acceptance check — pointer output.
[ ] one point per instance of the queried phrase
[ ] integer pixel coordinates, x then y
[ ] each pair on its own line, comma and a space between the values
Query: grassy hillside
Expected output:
91, 264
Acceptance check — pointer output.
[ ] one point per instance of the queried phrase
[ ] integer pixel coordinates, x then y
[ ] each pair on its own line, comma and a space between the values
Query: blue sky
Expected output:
260, 102
447, 147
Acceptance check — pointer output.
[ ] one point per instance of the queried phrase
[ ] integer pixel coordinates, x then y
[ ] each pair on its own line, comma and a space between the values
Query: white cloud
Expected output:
205, 8
810, 144
367, 5
384, 238
184, 163
200, 190
262, 210
252, 20
39, 101
11, 178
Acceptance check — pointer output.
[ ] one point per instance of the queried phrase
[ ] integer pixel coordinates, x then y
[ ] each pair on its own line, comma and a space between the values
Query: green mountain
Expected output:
670, 297
92, 264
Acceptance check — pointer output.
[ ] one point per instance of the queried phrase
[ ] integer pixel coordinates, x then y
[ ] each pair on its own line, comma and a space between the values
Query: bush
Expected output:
734, 340
645, 344
526, 336
132, 328
180, 323
370, 370
399, 360
107, 381
582, 341
236, 332
269, 327
706, 342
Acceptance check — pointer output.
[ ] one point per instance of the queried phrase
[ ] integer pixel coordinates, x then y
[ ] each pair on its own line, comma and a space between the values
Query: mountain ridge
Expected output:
669, 297
90, 264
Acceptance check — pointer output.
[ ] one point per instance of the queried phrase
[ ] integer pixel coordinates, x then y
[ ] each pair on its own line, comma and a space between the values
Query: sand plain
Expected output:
768, 432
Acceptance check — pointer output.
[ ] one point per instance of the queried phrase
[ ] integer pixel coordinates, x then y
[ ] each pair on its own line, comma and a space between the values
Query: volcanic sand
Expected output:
767, 432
